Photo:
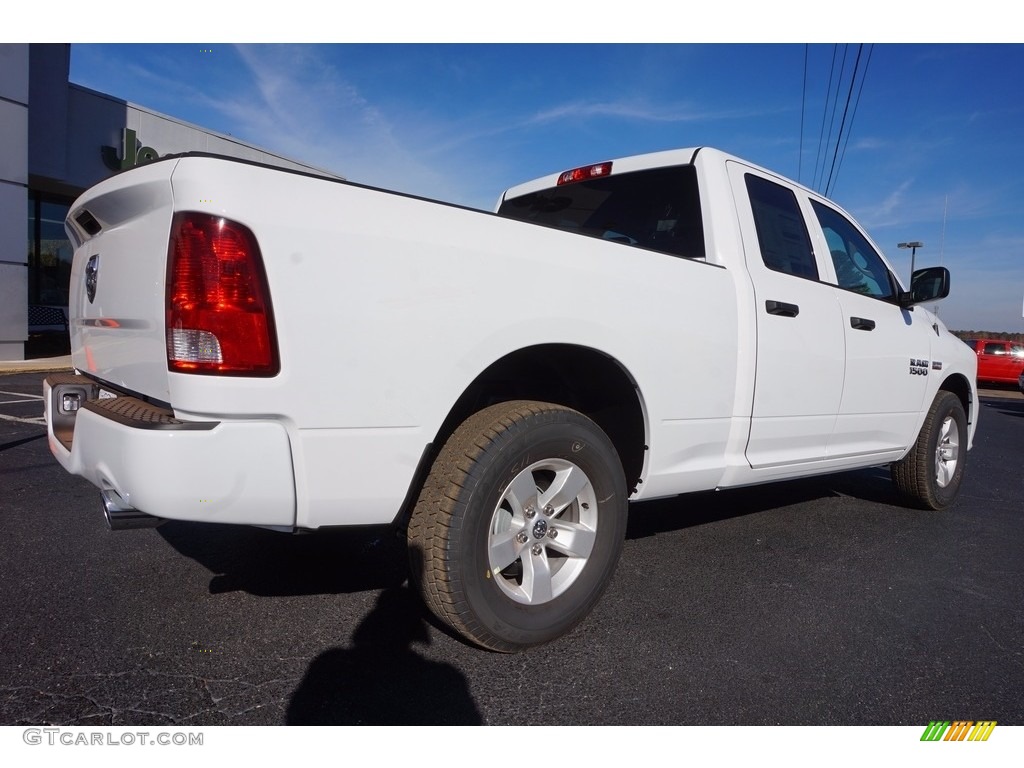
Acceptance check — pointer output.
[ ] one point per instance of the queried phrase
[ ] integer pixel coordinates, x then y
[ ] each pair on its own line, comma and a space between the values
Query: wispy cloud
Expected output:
305, 107
869, 143
637, 111
890, 210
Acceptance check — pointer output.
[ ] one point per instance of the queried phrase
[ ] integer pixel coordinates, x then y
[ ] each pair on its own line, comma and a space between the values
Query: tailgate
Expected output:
120, 228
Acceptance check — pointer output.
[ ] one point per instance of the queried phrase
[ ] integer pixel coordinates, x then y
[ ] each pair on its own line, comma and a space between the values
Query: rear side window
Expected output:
995, 349
781, 232
658, 209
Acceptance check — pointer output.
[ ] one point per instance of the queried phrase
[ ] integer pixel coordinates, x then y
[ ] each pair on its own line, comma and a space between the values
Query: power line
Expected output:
863, 77
803, 109
833, 142
833, 97
824, 115
842, 123
832, 119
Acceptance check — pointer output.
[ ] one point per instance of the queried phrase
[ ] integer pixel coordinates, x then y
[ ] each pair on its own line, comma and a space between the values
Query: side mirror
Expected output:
929, 284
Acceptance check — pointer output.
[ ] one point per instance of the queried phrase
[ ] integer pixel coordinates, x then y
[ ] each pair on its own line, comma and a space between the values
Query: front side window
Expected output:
995, 349
859, 268
657, 209
781, 232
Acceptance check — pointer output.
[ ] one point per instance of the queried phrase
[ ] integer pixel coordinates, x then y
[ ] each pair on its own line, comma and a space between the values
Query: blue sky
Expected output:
937, 128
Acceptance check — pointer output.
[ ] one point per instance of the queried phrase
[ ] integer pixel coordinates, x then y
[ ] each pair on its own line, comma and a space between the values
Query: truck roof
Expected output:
682, 156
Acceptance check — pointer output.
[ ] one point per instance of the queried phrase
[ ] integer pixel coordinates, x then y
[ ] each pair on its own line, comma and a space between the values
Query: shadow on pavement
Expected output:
22, 441
267, 563
336, 561
381, 680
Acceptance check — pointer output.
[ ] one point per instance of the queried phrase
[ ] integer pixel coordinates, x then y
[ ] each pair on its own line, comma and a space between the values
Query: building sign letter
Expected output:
131, 153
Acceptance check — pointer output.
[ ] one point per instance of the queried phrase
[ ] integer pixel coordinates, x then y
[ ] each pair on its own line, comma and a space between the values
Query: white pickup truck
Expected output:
265, 347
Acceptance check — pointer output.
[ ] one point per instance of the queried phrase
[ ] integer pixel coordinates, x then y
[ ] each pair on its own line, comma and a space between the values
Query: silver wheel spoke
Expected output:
573, 540
945, 474
520, 493
947, 452
504, 550
537, 577
567, 485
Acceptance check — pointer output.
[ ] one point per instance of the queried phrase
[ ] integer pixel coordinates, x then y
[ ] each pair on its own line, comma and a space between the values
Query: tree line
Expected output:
994, 335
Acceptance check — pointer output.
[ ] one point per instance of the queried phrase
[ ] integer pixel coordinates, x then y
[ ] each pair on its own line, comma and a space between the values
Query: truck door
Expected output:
800, 342
888, 348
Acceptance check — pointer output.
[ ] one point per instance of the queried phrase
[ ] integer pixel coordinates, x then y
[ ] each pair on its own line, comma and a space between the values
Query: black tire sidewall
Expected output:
567, 436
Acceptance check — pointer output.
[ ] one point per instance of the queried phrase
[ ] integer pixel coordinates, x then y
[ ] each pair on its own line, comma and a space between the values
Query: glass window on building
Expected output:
49, 252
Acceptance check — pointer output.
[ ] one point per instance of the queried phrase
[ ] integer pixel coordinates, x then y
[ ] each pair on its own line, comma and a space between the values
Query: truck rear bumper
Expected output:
237, 472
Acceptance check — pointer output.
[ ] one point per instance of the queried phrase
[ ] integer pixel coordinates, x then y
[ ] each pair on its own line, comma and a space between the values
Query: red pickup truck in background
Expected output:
1000, 362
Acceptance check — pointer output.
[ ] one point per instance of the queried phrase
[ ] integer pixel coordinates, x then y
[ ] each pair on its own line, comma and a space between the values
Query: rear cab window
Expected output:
781, 233
657, 209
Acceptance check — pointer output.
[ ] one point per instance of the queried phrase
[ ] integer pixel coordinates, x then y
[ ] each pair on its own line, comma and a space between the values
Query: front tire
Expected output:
929, 477
519, 525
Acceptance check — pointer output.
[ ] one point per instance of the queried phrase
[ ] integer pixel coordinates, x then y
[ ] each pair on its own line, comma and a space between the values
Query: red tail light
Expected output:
219, 318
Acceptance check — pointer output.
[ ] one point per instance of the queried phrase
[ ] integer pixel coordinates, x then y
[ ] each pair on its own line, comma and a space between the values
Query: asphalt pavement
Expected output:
817, 602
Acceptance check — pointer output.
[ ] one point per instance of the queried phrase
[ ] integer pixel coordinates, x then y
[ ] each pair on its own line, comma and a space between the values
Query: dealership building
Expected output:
56, 140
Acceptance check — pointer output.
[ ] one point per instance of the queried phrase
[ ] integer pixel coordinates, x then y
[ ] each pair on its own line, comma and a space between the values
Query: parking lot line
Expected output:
37, 420
23, 397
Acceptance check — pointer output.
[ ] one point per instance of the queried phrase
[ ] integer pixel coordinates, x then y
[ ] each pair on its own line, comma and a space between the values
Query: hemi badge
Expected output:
936, 365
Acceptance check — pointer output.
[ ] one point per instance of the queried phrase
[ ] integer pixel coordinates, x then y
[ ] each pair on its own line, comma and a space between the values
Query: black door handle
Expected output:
781, 308
862, 324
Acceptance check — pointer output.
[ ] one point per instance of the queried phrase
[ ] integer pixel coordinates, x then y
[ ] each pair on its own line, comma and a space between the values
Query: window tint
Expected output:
657, 209
859, 268
995, 349
781, 233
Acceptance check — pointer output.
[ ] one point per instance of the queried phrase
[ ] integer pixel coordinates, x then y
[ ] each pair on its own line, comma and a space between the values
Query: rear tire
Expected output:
519, 525
929, 477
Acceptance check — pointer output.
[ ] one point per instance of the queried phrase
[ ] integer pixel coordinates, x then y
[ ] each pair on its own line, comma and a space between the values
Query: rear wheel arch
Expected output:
577, 377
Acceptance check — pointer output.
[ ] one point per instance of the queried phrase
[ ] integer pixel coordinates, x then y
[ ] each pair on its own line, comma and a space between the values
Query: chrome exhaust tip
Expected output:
121, 516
